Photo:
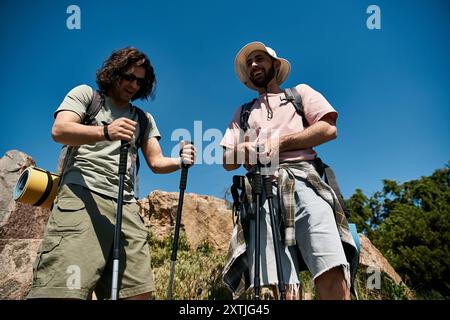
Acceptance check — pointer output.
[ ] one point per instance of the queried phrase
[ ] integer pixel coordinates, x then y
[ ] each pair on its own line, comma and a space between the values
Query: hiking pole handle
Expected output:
257, 183
123, 157
267, 181
184, 170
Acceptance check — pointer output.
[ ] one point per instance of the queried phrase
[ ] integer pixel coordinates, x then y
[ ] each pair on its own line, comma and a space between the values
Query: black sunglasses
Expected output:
131, 77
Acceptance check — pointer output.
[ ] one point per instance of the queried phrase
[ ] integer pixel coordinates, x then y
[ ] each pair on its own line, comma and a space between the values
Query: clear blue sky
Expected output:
391, 87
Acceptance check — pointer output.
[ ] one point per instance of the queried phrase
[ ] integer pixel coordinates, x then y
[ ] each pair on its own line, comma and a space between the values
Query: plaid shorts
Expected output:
75, 257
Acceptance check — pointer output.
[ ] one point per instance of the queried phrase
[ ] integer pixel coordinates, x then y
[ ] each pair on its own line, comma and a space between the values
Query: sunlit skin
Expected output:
124, 90
259, 64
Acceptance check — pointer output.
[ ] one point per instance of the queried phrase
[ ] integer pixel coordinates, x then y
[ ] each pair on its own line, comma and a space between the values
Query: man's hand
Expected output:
246, 153
187, 153
122, 129
270, 150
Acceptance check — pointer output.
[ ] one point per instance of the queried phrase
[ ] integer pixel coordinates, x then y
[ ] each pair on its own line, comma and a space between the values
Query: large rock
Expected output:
11, 166
24, 222
370, 256
204, 218
16, 260
21, 229
18, 220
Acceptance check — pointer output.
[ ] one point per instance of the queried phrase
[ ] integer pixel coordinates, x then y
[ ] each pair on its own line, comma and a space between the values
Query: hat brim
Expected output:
240, 64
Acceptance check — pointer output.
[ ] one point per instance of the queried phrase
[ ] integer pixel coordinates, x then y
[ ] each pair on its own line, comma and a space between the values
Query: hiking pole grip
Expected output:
123, 157
184, 170
268, 187
257, 184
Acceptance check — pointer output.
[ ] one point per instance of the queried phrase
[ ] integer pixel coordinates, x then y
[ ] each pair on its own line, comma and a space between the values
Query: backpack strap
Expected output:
329, 177
98, 100
143, 123
292, 96
295, 98
245, 114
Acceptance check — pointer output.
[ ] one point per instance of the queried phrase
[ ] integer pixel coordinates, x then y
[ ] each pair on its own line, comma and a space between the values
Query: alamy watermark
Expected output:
73, 21
74, 278
374, 278
374, 20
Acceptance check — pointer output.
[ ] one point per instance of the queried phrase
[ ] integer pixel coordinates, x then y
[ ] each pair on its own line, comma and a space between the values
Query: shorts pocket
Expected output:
69, 211
138, 222
46, 263
141, 218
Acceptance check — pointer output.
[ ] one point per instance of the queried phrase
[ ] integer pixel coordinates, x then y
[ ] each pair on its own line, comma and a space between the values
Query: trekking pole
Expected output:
275, 234
257, 191
173, 258
116, 251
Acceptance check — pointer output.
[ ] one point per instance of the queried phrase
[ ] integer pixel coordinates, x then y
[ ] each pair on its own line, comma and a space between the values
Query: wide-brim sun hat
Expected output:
240, 63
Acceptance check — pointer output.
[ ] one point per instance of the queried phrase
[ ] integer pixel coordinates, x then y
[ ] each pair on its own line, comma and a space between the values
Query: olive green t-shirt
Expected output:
96, 166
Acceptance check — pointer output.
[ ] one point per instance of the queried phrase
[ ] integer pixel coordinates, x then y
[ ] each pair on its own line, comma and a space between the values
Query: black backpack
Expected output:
92, 110
325, 171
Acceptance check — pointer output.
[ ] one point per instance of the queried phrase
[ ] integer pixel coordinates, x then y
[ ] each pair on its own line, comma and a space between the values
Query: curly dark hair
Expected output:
120, 62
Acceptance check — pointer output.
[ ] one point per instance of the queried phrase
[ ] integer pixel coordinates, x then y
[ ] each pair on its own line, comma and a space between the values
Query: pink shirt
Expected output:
285, 121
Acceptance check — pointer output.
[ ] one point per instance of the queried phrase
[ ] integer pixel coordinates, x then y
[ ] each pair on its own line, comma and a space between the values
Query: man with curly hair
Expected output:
75, 257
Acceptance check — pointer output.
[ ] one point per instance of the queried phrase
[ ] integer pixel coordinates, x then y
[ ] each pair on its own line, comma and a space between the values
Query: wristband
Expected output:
105, 132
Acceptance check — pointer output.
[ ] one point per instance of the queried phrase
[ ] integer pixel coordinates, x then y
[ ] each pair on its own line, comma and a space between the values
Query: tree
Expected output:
361, 214
410, 224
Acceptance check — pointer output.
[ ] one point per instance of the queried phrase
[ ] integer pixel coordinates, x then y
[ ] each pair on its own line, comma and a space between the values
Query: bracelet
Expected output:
105, 132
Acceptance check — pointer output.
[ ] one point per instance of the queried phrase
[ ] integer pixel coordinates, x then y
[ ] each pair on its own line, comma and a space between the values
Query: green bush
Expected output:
198, 273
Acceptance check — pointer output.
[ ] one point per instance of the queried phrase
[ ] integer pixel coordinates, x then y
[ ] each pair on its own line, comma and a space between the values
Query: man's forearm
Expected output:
317, 134
76, 134
165, 165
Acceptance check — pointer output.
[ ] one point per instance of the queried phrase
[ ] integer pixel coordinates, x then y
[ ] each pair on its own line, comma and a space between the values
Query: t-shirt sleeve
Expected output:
233, 132
314, 104
152, 130
77, 100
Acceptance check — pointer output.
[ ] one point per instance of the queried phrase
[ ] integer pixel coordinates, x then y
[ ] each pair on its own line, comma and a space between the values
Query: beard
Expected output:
265, 79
